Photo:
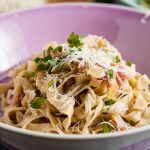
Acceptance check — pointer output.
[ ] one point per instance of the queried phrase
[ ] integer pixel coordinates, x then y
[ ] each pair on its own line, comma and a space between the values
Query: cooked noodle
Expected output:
80, 87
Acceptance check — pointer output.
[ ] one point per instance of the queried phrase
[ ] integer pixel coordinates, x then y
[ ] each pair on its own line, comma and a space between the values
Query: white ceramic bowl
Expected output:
136, 139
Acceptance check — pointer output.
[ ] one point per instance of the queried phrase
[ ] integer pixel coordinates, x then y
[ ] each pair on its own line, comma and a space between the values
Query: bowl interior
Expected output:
24, 33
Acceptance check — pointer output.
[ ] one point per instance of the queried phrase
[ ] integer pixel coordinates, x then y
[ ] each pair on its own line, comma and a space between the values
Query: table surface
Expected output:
4, 146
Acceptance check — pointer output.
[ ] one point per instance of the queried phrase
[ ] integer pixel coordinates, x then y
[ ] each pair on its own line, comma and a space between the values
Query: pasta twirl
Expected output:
80, 87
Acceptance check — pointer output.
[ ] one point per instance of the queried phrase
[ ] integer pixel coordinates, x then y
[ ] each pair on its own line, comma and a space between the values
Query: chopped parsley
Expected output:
37, 103
72, 51
50, 83
109, 102
132, 123
74, 40
42, 60
110, 73
58, 48
79, 49
47, 58
48, 63
129, 63
116, 59
123, 96
29, 74
41, 67
44, 63
38, 60
50, 49
106, 128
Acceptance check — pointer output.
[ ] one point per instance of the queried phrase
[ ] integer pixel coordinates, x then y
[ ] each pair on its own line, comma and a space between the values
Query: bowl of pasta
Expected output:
72, 76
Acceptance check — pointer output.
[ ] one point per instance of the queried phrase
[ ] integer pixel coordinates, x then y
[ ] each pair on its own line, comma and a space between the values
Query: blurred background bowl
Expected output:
139, 4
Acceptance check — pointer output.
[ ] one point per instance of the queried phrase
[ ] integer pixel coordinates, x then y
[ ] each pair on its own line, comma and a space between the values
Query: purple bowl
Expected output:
24, 33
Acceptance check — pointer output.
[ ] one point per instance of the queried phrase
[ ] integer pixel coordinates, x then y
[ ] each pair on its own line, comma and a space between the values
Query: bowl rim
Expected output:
75, 4
26, 132
73, 136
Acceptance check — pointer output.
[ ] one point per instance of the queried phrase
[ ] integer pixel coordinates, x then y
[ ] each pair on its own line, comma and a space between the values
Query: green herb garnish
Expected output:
50, 49
37, 103
79, 49
123, 96
50, 83
50, 64
109, 102
116, 59
47, 58
58, 48
29, 74
38, 60
132, 123
43, 63
110, 73
74, 40
106, 128
129, 63
41, 67
41, 60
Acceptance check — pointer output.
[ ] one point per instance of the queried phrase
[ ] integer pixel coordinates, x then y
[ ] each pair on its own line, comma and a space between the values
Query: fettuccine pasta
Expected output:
80, 87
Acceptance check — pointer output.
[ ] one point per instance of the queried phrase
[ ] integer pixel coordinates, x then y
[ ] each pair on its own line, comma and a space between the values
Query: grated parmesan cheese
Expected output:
91, 57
